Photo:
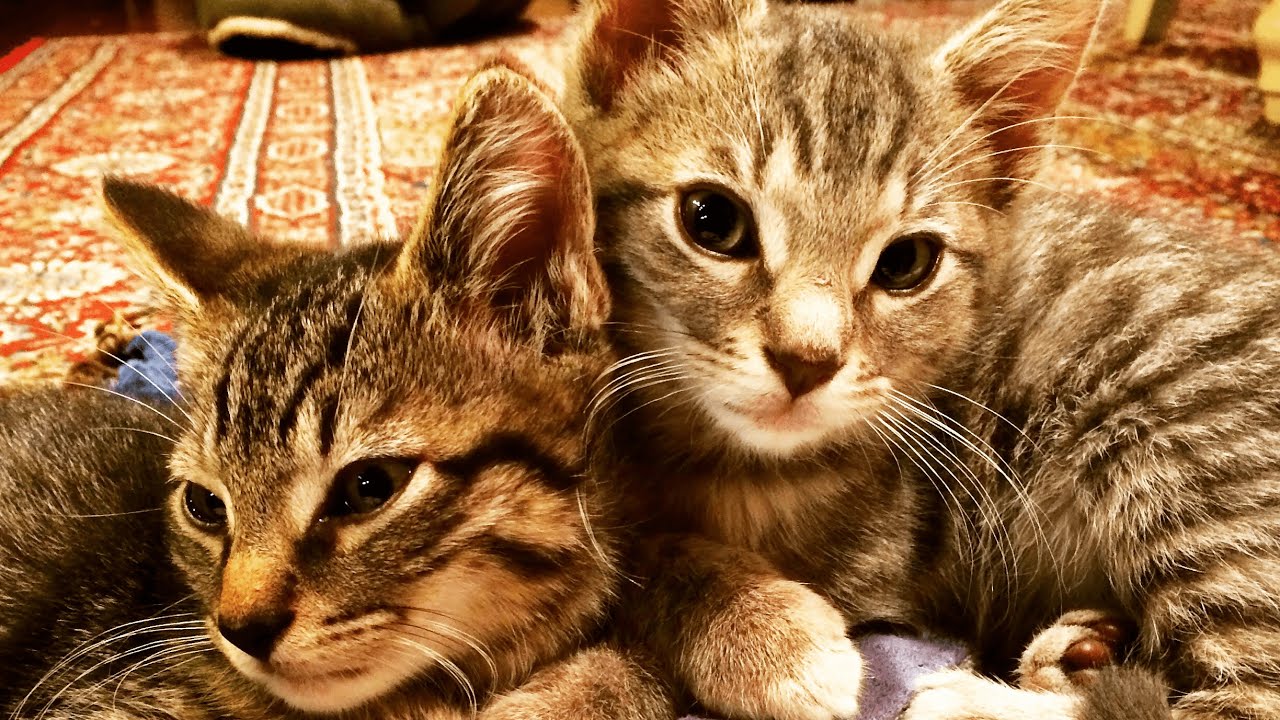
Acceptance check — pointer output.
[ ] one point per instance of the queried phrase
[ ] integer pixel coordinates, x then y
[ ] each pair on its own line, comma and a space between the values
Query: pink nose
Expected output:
802, 373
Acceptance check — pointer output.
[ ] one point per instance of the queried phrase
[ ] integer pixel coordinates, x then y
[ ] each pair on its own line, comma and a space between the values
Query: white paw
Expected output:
964, 695
823, 686
784, 658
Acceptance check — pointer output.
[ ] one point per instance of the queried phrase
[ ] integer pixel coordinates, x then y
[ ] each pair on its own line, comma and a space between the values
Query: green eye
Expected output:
718, 223
367, 485
205, 508
907, 262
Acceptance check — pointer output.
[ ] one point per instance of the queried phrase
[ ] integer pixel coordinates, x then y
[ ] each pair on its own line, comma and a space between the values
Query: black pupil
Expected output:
365, 486
204, 506
905, 263
714, 221
371, 488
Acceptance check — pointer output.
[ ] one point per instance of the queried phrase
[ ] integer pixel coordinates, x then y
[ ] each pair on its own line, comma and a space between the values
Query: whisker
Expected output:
122, 361
597, 551
146, 647
154, 349
953, 428
1015, 426
448, 665
961, 202
137, 430
1042, 146
107, 637
130, 399
983, 501
355, 324
166, 656
471, 641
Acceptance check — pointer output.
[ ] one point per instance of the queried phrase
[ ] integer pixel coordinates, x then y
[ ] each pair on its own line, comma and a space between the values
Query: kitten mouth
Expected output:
776, 426
780, 413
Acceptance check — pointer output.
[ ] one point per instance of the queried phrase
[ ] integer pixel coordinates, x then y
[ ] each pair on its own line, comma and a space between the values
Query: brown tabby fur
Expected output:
468, 351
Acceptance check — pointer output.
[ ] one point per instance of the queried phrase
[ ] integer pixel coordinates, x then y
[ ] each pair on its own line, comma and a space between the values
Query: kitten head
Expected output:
383, 478
800, 214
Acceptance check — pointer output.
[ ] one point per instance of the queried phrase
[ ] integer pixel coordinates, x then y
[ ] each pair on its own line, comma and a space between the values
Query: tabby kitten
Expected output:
891, 378
380, 504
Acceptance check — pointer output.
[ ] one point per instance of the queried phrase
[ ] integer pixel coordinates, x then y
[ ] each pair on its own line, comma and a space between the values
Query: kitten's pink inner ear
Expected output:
548, 218
626, 34
1015, 70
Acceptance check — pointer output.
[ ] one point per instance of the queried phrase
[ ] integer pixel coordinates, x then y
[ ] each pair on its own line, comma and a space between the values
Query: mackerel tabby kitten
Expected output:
379, 505
866, 347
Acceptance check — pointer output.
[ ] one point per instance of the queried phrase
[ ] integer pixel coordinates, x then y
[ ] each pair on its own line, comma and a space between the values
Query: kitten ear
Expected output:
1012, 68
510, 224
188, 252
619, 36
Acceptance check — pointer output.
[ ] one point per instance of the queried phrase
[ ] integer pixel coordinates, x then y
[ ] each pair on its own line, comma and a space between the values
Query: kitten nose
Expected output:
802, 373
256, 635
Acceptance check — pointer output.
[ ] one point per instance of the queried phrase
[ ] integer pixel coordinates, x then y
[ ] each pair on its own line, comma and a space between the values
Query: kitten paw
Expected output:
822, 686
960, 694
787, 658
1066, 655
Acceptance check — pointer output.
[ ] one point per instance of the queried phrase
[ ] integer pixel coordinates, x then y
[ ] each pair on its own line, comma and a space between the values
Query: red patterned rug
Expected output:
329, 152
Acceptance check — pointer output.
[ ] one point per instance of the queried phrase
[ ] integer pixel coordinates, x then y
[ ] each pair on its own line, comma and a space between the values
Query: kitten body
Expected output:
82, 482
382, 500
863, 344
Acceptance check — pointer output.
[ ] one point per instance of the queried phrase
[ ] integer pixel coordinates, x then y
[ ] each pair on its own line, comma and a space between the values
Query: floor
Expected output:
21, 21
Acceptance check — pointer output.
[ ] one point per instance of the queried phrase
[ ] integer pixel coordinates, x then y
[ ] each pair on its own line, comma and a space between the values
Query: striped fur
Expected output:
1076, 410
465, 354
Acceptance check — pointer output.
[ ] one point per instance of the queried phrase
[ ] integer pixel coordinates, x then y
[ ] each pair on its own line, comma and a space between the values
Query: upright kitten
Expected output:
863, 345
381, 503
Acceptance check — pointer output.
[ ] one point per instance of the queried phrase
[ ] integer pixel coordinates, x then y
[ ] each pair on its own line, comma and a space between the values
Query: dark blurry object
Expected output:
287, 29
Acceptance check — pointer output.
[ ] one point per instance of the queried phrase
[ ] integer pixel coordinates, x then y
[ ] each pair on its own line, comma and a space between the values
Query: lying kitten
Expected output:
891, 380
380, 503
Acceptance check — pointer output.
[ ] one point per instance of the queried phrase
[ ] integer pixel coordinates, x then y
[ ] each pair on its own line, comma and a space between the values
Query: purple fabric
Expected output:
147, 371
893, 663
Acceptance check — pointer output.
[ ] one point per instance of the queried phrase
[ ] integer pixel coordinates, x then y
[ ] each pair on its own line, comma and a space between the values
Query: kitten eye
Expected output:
907, 262
204, 507
718, 223
367, 485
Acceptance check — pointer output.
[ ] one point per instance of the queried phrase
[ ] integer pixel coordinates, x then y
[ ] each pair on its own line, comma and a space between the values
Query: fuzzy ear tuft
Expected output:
619, 36
510, 223
1012, 67
188, 252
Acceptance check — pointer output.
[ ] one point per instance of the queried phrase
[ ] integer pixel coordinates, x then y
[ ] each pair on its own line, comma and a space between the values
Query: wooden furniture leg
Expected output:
1266, 34
1148, 20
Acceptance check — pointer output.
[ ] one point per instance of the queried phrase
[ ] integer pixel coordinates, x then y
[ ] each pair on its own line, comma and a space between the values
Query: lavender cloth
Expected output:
893, 663
148, 369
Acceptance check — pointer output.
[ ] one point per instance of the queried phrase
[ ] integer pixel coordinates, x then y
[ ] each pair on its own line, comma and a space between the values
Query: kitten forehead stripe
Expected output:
526, 559
335, 358
502, 448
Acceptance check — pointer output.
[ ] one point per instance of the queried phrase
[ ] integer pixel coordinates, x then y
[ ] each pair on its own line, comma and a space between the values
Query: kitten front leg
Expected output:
598, 683
740, 638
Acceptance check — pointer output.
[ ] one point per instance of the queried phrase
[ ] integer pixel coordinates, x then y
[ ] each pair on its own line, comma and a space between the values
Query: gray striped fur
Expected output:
1079, 410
